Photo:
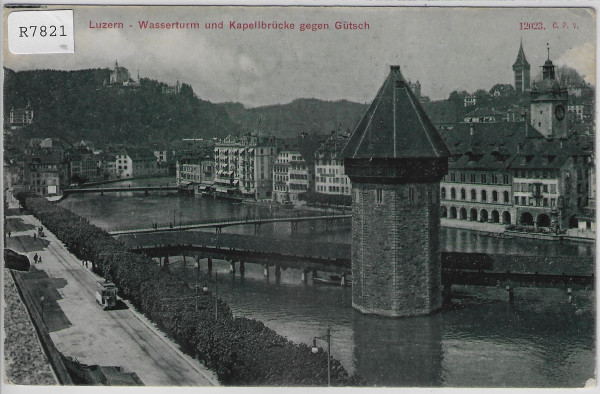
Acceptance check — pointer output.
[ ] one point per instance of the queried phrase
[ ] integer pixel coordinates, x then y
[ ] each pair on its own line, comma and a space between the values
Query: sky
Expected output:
445, 48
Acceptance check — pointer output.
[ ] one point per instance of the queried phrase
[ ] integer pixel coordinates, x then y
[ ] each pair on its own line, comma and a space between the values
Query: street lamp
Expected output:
216, 296
315, 349
42, 302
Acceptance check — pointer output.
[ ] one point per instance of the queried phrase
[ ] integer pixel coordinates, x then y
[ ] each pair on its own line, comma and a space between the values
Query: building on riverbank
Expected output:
194, 168
294, 170
478, 186
529, 173
243, 166
330, 175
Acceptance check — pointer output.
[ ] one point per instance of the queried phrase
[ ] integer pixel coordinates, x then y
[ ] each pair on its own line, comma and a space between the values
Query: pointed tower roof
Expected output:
395, 126
521, 60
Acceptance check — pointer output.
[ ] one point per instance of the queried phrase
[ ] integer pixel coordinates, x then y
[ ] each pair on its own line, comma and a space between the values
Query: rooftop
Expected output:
395, 126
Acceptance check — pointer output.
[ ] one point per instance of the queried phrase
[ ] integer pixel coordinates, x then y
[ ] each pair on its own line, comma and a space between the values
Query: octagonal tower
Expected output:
395, 159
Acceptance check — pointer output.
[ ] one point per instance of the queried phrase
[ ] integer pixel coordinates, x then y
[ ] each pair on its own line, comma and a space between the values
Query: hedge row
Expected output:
241, 351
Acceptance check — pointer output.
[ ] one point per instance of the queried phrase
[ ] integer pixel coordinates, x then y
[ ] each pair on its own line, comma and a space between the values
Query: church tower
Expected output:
521, 69
395, 159
548, 102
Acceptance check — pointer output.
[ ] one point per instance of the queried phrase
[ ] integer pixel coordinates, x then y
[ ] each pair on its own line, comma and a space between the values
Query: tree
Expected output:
567, 76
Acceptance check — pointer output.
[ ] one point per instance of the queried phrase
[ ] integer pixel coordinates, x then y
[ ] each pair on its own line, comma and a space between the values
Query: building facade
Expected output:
243, 165
478, 186
330, 176
20, 117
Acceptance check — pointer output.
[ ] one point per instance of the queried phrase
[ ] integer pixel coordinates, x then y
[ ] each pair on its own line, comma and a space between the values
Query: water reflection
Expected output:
398, 352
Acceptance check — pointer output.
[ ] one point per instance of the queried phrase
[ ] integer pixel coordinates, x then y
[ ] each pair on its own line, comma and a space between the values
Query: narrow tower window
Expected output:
411, 194
379, 194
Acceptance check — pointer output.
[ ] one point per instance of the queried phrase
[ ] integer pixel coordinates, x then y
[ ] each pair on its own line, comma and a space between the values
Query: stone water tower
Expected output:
395, 159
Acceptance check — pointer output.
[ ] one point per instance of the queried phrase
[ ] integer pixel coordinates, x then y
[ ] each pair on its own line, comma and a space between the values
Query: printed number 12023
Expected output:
42, 31
532, 26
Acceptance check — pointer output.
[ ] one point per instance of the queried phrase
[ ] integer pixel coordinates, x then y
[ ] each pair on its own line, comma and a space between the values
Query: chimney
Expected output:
472, 129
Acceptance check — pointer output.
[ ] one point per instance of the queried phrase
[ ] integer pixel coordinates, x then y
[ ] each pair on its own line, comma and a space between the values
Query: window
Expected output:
506, 197
523, 200
472, 178
411, 194
516, 200
553, 189
473, 195
453, 194
444, 193
494, 196
545, 202
483, 195
379, 195
553, 202
530, 200
545, 188
462, 176
463, 194
483, 178
453, 176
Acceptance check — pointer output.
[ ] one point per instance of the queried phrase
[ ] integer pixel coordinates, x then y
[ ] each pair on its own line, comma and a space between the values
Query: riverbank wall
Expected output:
52, 354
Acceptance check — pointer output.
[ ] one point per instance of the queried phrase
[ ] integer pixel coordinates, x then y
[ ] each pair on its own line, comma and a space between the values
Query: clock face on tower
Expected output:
559, 112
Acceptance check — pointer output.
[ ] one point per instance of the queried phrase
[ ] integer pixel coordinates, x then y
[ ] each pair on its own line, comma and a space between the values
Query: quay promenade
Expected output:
81, 329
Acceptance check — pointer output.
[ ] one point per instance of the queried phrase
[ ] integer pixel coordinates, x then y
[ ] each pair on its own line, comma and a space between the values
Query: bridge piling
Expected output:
209, 264
511, 294
266, 270
232, 267
277, 270
242, 268
304, 275
447, 292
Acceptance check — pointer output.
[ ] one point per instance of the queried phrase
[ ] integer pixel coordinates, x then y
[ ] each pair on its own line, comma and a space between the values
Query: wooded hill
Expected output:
76, 105
300, 116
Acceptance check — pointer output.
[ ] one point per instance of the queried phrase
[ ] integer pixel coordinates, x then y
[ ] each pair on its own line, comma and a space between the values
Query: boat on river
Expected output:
331, 280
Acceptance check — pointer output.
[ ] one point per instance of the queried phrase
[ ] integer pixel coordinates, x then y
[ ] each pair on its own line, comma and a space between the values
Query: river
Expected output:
480, 340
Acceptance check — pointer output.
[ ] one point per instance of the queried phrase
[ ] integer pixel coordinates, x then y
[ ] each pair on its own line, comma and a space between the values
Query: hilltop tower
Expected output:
521, 69
395, 159
548, 102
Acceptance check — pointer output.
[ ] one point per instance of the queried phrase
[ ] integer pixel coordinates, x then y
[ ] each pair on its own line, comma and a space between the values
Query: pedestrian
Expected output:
34, 235
8, 233
35, 258
40, 260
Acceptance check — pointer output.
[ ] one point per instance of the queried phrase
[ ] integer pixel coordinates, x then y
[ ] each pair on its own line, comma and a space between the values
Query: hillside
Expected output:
302, 115
75, 105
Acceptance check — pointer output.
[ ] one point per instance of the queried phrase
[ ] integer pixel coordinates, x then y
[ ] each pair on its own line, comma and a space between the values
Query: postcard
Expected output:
242, 196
